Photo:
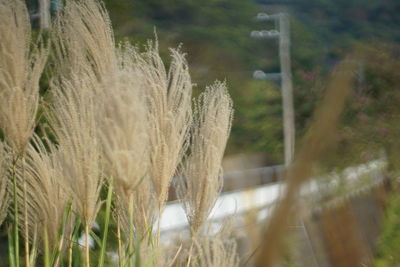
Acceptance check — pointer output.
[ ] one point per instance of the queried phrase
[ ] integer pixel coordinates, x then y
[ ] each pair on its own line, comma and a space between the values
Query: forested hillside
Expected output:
217, 36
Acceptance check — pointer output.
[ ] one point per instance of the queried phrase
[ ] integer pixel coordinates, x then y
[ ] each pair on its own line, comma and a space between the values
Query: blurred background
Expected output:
217, 36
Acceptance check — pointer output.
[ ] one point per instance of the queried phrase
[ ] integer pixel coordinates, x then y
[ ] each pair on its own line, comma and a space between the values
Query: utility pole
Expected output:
283, 34
44, 14
287, 88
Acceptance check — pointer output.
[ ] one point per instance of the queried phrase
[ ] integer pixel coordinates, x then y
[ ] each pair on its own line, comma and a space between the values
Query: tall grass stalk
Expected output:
115, 112
57, 253
4, 188
86, 249
26, 223
11, 247
79, 37
119, 240
131, 245
16, 210
72, 241
34, 248
21, 66
106, 225
46, 253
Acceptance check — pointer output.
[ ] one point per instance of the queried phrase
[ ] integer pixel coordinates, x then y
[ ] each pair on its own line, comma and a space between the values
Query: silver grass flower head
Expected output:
200, 175
20, 69
216, 247
215, 251
124, 131
73, 120
169, 114
84, 31
47, 197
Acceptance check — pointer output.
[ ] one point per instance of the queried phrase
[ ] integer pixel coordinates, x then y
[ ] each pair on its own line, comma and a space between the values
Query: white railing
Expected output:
262, 198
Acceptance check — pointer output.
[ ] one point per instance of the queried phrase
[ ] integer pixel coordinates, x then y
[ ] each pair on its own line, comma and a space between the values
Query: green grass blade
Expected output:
74, 259
34, 249
11, 250
96, 238
57, 249
137, 252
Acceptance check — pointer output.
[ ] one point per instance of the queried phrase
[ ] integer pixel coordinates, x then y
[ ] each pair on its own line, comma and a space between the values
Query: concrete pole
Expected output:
44, 14
287, 88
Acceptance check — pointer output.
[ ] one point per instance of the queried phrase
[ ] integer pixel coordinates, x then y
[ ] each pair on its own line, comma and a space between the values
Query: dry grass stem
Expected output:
320, 136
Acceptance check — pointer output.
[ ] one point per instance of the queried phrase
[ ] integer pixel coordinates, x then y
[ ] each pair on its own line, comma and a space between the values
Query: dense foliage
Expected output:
217, 35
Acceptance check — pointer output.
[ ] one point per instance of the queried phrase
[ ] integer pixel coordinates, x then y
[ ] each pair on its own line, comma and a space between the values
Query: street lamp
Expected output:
260, 75
264, 34
265, 16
